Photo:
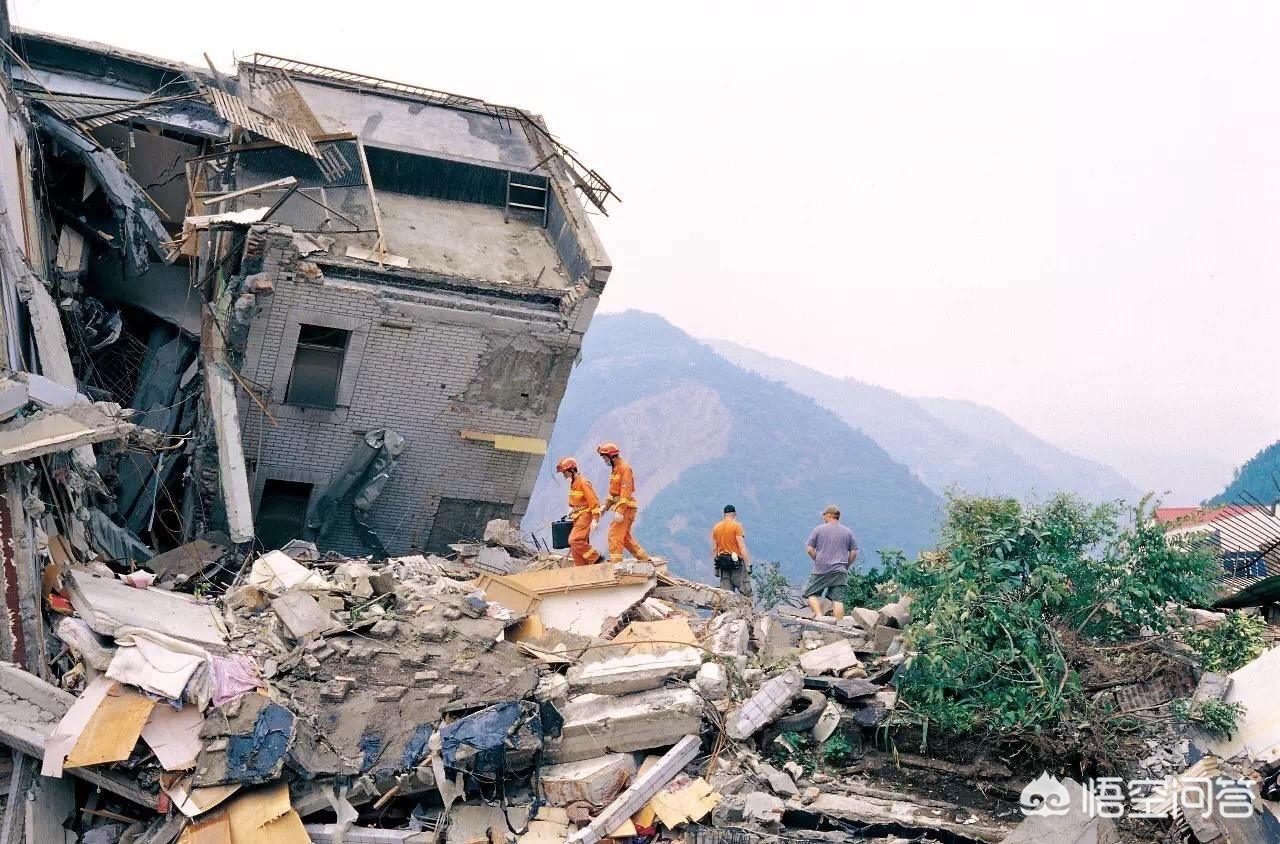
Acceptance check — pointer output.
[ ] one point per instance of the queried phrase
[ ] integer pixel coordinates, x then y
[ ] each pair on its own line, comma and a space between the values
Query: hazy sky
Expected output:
1068, 213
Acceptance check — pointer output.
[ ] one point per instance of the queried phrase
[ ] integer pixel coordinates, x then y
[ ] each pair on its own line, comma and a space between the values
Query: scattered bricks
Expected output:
449, 692
302, 616
432, 631
337, 689
361, 652
465, 667
388, 694
426, 677
340, 646
307, 270
384, 629
312, 662
316, 645
830, 659
259, 284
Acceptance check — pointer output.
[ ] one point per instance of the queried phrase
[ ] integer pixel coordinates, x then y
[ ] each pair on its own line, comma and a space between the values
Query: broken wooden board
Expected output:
108, 604
213, 829
194, 802
501, 589
383, 258
577, 577
113, 730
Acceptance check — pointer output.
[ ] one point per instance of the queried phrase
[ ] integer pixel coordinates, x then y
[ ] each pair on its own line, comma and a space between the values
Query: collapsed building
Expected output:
325, 289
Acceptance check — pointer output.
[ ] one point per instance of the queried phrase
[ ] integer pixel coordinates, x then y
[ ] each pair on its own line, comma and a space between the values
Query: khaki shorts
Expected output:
831, 586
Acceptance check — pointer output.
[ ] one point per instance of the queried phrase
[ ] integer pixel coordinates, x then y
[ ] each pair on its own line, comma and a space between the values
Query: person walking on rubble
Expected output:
584, 512
729, 551
622, 500
833, 549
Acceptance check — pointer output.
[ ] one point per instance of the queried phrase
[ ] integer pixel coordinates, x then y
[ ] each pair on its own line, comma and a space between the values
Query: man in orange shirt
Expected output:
584, 512
622, 499
729, 550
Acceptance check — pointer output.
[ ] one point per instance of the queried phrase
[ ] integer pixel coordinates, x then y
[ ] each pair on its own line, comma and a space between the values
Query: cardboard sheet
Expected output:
113, 729
174, 736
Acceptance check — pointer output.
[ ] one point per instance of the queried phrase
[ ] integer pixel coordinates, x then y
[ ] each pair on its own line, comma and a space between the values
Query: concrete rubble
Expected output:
240, 607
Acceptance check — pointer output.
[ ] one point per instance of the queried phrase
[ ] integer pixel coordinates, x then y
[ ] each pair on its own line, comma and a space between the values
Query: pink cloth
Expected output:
233, 676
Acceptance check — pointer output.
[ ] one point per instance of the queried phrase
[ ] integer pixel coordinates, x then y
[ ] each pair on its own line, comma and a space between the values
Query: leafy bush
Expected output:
1214, 716
1232, 644
871, 590
993, 601
771, 586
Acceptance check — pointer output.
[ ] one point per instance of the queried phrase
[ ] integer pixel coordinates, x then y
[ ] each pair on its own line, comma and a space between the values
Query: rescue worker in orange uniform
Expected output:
622, 500
584, 512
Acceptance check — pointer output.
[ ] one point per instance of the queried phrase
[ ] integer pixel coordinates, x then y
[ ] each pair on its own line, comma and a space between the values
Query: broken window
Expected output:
317, 366
282, 511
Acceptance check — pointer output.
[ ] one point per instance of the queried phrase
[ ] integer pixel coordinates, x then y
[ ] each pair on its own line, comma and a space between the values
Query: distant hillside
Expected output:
1259, 478
945, 442
702, 432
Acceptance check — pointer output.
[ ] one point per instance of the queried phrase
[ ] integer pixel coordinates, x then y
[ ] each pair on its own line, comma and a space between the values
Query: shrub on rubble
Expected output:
873, 589
1009, 586
771, 585
1213, 716
1231, 644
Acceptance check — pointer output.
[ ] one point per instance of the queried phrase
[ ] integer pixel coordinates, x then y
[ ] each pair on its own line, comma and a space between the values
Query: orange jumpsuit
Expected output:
584, 507
622, 496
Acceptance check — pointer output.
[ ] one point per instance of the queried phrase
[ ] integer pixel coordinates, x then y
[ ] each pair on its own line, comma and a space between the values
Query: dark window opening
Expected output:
282, 512
317, 366
462, 520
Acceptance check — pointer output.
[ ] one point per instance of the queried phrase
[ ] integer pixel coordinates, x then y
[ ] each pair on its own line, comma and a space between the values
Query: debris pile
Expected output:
424, 698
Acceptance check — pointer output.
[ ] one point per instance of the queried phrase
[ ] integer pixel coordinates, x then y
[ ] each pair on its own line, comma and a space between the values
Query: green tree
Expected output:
771, 586
1010, 584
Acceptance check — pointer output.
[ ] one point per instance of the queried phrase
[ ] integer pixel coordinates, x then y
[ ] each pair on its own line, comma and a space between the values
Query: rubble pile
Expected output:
494, 695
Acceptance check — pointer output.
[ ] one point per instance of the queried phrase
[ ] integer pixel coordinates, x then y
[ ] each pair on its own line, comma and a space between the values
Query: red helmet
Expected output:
567, 464
608, 450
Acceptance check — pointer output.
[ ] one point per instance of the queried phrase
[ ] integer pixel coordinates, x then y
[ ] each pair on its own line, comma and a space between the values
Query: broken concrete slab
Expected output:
1211, 687
640, 792
583, 611
596, 726
885, 637
867, 619
1076, 826
61, 429
712, 682
303, 616
897, 614
830, 659
634, 672
869, 810
765, 705
596, 781
1259, 727
780, 782
107, 605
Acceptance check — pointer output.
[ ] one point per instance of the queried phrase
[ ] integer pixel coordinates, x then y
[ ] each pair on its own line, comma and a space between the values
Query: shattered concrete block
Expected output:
640, 792
426, 677
712, 682
384, 583
1211, 687
384, 629
431, 629
595, 725
765, 705
830, 659
866, 619
332, 603
763, 809
388, 694
885, 636
594, 780
502, 532
780, 782
552, 687
302, 616
773, 639
730, 638
634, 672
448, 692
897, 614
337, 689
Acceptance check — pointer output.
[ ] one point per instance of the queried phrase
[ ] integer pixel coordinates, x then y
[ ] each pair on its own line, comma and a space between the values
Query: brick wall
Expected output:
412, 364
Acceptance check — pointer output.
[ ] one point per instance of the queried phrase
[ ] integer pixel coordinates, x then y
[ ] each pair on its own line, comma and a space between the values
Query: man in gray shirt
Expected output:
833, 549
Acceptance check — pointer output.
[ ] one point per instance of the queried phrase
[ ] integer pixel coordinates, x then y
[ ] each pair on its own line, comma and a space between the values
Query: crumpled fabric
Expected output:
233, 677
155, 662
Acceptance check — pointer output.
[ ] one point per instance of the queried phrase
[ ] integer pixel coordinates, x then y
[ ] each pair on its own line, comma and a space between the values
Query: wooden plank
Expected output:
515, 597
565, 580
654, 637
211, 829
113, 729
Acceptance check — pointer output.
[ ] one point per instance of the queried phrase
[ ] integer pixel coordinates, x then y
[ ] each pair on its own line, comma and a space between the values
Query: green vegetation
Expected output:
1234, 643
875, 588
771, 586
1213, 716
1259, 477
1014, 591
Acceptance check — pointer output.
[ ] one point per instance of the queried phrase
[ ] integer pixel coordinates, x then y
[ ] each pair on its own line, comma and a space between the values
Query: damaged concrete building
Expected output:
316, 289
